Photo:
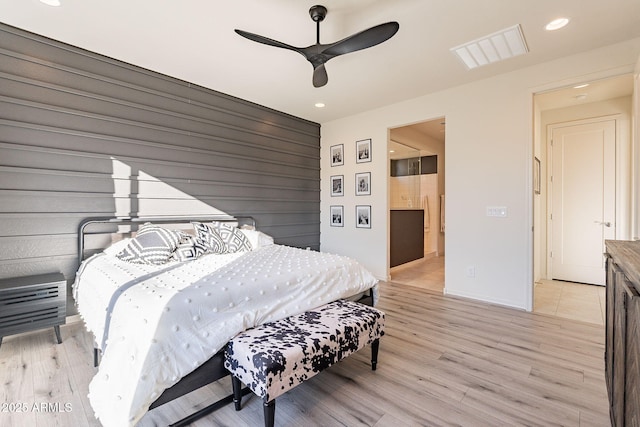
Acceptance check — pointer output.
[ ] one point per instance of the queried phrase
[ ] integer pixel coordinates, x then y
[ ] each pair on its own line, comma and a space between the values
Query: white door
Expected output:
583, 200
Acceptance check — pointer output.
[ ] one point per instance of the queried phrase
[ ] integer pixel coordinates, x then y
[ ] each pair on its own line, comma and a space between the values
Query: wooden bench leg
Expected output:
269, 413
375, 345
57, 330
236, 384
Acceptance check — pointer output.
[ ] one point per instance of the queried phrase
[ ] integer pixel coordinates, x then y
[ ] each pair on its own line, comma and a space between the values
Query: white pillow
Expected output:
257, 238
152, 245
232, 238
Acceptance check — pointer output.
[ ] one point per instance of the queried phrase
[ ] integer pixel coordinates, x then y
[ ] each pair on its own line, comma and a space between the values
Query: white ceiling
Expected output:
193, 40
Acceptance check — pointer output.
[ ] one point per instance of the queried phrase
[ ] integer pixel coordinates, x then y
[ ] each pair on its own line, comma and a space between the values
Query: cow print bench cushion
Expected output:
275, 357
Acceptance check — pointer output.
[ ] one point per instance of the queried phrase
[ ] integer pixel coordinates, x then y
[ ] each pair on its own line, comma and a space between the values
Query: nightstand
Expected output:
32, 302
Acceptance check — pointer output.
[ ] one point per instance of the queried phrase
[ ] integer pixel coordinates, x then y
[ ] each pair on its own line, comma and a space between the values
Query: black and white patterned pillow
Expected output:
209, 238
189, 248
152, 245
232, 236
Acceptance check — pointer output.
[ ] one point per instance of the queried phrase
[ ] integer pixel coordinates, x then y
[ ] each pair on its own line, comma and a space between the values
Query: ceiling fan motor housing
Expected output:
318, 13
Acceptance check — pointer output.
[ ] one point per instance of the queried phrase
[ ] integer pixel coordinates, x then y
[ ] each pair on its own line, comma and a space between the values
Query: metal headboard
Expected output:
155, 220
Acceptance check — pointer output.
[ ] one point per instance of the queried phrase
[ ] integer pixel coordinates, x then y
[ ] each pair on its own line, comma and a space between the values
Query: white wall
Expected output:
430, 197
539, 201
635, 138
488, 163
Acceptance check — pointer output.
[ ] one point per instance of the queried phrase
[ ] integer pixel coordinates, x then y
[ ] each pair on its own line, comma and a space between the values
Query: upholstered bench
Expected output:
275, 357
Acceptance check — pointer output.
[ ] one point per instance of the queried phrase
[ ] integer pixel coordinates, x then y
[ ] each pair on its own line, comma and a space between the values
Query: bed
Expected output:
163, 302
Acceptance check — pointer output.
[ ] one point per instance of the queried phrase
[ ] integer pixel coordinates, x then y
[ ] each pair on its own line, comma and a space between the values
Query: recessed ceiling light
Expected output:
320, 104
556, 24
51, 2
581, 86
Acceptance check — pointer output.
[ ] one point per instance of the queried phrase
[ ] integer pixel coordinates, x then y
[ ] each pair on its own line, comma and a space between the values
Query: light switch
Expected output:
497, 211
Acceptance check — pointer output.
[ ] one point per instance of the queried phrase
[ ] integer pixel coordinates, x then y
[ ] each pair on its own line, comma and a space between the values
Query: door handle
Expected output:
606, 224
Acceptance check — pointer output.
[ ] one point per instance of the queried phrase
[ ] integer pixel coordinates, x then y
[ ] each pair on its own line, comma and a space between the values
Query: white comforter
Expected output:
158, 323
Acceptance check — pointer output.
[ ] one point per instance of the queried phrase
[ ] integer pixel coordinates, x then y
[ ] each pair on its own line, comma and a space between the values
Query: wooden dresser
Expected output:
622, 351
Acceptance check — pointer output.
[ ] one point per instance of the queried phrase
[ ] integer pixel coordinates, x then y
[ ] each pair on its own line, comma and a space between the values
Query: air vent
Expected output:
495, 47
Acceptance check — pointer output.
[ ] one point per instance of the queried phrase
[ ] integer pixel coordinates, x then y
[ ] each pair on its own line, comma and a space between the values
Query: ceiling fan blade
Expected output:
268, 41
320, 77
364, 39
318, 53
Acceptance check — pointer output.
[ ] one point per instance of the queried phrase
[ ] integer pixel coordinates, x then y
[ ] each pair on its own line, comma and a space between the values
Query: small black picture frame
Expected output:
363, 216
363, 151
336, 213
337, 185
536, 175
363, 184
337, 155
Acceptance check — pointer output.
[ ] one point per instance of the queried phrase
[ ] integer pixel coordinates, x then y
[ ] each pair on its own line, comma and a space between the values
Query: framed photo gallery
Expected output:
362, 186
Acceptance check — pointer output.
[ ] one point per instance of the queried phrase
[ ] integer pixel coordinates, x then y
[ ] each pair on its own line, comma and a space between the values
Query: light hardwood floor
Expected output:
426, 273
443, 361
570, 300
562, 299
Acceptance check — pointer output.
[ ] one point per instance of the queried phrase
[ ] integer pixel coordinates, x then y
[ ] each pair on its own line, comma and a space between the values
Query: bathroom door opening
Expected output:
416, 204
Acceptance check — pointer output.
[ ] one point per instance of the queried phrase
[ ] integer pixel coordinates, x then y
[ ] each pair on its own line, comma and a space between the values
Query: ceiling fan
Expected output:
318, 54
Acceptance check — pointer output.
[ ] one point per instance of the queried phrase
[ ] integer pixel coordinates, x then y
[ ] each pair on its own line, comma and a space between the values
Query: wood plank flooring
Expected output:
570, 300
443, 362
561, 299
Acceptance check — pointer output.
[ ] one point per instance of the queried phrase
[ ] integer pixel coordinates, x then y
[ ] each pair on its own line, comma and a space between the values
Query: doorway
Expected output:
416, 188
589, 126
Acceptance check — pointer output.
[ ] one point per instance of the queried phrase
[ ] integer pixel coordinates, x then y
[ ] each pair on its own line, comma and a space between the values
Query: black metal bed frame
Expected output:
213, 369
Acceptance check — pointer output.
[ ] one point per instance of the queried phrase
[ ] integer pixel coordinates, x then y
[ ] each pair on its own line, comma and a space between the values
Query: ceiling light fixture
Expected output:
556, 24
51, 2
319, 104
495, 47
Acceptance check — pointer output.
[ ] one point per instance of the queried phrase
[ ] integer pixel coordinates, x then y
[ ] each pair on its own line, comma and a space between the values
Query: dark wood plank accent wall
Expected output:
84, 135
